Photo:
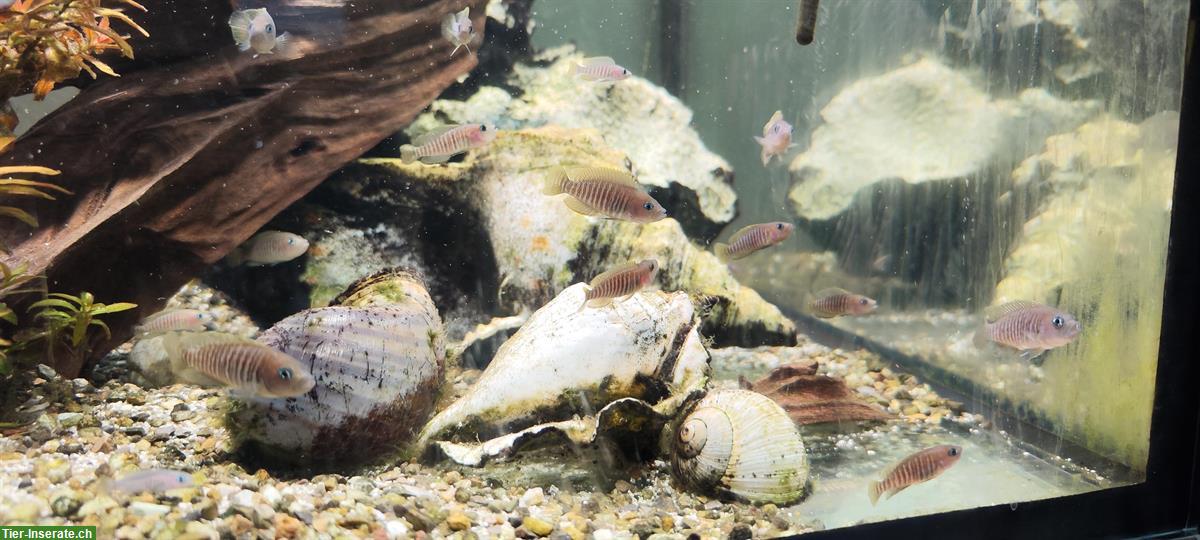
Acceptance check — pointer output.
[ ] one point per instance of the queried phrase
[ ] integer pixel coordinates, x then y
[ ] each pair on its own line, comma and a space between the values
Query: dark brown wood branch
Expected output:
177, 162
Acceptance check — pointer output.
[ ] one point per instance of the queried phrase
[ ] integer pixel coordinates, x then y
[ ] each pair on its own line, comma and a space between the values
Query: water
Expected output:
947, 156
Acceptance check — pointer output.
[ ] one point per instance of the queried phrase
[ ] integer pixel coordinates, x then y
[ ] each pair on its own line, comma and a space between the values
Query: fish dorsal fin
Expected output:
742, 231
778, 116
239, 24
831, 291
432, 134
597, 61
614, 271
995, 313
602, 174
580, 207
464, 13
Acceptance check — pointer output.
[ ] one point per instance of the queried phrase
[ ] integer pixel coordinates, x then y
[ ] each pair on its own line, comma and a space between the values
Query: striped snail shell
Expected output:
741, 445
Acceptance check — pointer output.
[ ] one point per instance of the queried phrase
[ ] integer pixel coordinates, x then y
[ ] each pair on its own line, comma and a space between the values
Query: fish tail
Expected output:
408, 153
721, 251
235, 257
981, 336
873, 491
573, 69
555, 181
239, 26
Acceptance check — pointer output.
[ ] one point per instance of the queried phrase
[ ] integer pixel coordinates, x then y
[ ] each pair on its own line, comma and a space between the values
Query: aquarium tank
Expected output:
581, 269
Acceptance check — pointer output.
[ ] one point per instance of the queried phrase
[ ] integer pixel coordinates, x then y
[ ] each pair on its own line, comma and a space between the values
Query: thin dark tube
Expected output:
806, 24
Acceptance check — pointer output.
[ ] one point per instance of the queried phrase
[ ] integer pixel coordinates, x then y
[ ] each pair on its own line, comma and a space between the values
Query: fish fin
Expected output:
597, 61
590, 77
456, 48
766, 156
830, 291
778, 116
580, 207
236, 256
572, 69
743, 230
995, 313
981, 337
432, 134
602, 174
554, 181
873, 492
464, 12
239, 26
1036, 357
283, 43
613, 271
434, 160
760, 140
408, 153
721, 251
599, 302
448, 23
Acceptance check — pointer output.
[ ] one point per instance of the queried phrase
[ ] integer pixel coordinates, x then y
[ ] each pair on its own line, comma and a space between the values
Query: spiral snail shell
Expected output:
739, 444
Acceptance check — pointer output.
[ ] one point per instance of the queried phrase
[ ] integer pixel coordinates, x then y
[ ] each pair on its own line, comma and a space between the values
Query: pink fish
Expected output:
1029, 327
598, 191
835, 302
920, 467
439, 145
189, 320
753, 238
152, 480
620, 282
776, 139
599, 69
269, 247
458, 29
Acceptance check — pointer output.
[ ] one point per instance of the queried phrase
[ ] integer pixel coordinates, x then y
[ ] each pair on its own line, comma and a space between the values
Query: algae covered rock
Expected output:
885, 173
635, 117
491, 244
378, 361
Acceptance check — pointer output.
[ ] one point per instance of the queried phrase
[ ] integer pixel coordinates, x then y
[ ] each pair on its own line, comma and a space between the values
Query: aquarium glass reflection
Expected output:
572, 268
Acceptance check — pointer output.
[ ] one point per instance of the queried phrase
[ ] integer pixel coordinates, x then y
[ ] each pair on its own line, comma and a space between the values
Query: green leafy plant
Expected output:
20, 187
13, 281
68, 318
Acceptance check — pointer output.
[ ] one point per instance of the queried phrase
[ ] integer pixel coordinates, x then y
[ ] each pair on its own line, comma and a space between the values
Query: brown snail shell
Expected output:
741, 445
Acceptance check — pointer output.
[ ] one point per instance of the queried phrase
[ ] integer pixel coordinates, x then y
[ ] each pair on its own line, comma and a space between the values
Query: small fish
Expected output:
458, 29
753, 238
255, 29
620, 282
806, 23
152, 480
835, 302
919, 467
598, 69
1029, 327
880, 264
604, 192
441, 144
188, 320
776, 138
269, 247
249, 368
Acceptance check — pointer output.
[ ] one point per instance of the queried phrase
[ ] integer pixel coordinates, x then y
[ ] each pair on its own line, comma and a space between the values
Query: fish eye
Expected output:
270, 28
181, 479
862, 301
954, 451
482, 127
624, 71
779, 226
648, 206
1057, 321
285, 373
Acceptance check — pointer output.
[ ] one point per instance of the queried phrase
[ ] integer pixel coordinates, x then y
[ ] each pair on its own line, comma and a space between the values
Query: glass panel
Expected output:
569, 268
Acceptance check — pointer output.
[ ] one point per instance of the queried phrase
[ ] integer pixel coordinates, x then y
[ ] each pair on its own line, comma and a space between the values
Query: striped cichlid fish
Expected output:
835, 302
598, 69
1029, 327
248, 367
753, 238
441, 144
618, 282
605, 192
189, 320
269, 247
151, 480
919, 467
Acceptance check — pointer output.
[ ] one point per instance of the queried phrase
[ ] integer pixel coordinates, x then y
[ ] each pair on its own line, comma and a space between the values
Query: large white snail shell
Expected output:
740, 444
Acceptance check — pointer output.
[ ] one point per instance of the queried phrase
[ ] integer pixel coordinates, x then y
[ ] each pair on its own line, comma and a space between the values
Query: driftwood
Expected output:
813, 399
184, 157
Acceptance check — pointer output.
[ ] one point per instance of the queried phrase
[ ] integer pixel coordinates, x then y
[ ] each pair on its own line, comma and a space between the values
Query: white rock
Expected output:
532, 497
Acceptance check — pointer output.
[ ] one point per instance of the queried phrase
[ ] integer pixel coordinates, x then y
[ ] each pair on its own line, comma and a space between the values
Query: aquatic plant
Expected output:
13, 281
67, 320
44, 42
19, 187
